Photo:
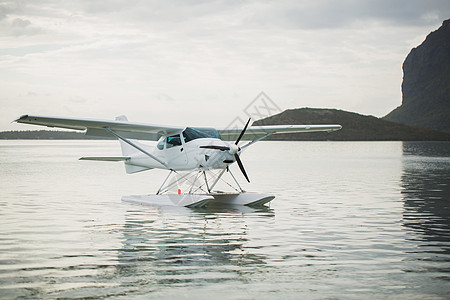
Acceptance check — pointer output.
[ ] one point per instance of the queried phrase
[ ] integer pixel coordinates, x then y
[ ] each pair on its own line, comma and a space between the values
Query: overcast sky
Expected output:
201, 62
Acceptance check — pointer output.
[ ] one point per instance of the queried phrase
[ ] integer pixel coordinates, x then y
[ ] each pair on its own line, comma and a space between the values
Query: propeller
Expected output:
242, 132
234, 149
236, 156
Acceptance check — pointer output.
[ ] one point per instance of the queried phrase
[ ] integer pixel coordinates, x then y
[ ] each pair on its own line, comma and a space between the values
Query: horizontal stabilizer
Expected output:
106, 158
129, 168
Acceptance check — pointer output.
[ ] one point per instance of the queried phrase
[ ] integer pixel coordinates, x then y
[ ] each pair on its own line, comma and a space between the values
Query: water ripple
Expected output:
350, 220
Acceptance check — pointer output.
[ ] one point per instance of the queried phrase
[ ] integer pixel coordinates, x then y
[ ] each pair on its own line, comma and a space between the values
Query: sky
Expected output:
201, 63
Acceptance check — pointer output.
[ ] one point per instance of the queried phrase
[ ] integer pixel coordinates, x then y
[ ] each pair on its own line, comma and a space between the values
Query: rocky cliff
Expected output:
426, 83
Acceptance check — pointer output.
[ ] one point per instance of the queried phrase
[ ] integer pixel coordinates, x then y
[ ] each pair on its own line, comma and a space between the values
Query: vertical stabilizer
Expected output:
134, 169
130, 151
122, 118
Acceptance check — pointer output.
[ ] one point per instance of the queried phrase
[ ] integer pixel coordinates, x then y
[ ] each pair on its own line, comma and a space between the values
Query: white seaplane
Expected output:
196, 156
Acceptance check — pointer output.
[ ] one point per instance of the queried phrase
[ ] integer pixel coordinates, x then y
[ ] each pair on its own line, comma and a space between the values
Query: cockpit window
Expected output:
160, 144
192, 133
173, 141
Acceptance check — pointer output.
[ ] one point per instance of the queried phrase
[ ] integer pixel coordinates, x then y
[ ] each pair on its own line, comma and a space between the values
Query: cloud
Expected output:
18, 27
3, 12
332, 14
142, 58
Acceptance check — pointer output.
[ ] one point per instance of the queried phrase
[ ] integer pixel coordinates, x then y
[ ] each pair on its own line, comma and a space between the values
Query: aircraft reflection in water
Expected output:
426, 194
210, 246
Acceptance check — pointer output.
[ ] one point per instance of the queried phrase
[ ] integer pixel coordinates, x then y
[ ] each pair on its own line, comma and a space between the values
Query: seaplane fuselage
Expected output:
181, 155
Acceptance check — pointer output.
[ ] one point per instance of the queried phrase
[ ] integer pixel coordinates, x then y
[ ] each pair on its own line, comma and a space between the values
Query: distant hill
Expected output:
47, 135
356, 127
426, 83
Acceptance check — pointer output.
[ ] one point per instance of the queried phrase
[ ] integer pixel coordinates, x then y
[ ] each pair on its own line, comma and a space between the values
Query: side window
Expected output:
160, 145
173, 141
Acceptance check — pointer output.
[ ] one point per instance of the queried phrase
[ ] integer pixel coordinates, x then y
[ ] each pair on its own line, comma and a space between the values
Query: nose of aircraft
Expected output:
233, 149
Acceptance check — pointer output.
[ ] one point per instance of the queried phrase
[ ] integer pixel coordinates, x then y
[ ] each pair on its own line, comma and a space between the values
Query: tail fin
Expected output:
134, 169
122, 118
129, 151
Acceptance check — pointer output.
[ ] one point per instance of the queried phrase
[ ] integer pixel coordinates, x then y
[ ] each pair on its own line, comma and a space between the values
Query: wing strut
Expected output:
136, 146
257, 140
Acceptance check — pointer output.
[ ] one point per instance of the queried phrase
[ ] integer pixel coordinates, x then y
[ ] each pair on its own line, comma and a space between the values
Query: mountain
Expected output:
355, 127
426, 83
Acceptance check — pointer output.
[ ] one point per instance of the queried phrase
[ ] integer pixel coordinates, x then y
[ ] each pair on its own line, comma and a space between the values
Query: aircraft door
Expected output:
175, 153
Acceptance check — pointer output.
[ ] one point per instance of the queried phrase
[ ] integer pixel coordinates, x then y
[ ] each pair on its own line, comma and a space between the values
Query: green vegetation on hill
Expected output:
355, 127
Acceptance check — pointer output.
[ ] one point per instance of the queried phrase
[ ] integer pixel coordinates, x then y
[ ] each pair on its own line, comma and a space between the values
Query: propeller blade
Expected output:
221, 148
242, 132
241, 166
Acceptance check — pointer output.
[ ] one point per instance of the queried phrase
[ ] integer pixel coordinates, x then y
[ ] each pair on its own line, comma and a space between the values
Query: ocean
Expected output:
351, 220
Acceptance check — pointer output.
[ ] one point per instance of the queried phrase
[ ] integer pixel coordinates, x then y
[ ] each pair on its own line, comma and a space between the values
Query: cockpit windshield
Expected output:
173, 141
192, 133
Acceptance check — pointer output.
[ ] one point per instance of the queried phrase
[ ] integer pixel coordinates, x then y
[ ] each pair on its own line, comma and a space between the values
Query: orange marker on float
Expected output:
179, 192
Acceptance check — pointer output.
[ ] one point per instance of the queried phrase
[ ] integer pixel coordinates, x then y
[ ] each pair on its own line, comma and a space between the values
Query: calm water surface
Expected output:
363, 220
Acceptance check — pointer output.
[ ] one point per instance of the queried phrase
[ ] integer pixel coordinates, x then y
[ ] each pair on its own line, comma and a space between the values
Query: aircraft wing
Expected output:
257, 132
150, 132
97, 127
